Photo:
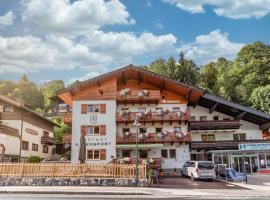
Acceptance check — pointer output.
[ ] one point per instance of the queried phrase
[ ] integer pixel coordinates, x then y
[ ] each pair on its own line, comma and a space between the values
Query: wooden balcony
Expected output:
152, 117
153, 138
47, 140
222, 145
153, 96
214, 125
68, 118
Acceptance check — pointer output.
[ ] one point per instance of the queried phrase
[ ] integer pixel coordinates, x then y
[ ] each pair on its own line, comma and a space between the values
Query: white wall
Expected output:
108, 119
252, 130
14, 144
182, 155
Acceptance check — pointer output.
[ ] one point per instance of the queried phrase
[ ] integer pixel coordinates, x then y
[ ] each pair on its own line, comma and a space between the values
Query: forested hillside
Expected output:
245, 80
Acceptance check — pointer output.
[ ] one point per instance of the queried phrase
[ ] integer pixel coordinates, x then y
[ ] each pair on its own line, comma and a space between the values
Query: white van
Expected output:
199, 170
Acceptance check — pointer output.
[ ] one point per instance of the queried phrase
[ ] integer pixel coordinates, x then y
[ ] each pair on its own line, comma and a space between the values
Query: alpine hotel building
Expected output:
178, 122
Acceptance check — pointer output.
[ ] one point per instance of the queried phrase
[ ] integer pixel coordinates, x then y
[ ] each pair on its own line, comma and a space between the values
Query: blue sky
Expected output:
72, 40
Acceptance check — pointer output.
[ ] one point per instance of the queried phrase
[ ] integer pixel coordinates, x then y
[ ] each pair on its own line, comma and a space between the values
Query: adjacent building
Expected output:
177, 122
23, 132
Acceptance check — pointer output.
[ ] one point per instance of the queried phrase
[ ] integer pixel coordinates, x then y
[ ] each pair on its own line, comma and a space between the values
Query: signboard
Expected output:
97, 142
254, 146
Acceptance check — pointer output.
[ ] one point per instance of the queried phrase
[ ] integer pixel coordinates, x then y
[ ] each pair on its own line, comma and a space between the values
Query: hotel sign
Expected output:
254, 146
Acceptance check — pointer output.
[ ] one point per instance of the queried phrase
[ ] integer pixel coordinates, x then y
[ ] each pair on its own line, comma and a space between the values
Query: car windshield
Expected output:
205, 165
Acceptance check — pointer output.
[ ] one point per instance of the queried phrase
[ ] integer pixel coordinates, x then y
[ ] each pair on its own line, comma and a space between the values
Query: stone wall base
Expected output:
19, 181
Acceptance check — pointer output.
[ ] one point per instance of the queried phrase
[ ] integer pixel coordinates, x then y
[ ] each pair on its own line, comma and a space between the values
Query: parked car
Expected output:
199, 170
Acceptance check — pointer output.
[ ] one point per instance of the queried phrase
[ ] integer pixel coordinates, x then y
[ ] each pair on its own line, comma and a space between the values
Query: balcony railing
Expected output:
153, 96
152, 138
47, 140
153, 117
222, 145
214, 125
68, 118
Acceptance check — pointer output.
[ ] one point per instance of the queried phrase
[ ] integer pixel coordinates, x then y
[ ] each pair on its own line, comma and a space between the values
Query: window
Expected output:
158, 130
93, 130
172, 153
176, 109
192, 118
164, 153
34, 147
216, 118
141, 110
143, 130
8, 109
25, 145
126, 153
45, 133
143, 153
203, 118
176, 129
208, 137
93, 108
93, 154
239, 136
126, 130
45, 149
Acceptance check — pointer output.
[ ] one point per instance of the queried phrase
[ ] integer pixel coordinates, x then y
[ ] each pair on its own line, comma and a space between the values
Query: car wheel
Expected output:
192, 177
182, 173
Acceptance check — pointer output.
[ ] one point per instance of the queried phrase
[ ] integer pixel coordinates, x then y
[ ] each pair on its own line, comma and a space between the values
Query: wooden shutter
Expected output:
83, 130
102, 108
84, 109
102, 129
102, 154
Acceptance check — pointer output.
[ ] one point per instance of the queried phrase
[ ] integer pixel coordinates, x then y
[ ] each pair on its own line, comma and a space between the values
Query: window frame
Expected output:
34, 147
207, 137
93, 130
93, 151
11, 109
164, 151
23, 143
45, 147
172, 152
94, 107
203, 118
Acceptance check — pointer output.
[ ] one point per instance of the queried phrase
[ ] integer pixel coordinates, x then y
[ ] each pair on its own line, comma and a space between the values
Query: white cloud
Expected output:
7, 19
210, 47
79, 17
235, 9
31, 54
85, 77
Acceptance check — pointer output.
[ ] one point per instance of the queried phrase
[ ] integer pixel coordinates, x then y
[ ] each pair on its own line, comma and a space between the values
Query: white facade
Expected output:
252, 131
12, 144
108, 119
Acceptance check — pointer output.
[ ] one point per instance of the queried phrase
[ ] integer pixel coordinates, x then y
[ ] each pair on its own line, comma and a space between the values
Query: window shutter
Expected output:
84, 109
102, 154
102, 130
83, 130
102, 108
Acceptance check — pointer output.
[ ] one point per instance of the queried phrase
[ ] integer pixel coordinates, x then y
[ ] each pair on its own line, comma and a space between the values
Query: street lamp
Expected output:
136, 124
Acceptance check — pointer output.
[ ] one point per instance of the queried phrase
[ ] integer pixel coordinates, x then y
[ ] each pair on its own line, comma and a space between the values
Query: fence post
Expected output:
22, 170
53, 170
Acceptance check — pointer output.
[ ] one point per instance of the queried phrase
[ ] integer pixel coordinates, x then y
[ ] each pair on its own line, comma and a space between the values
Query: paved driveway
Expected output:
186, 183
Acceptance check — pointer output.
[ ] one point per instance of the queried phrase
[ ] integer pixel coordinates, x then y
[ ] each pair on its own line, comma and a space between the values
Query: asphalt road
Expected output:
100, 197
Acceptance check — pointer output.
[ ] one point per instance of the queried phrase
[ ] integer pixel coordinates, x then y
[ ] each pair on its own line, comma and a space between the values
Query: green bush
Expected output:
34, 159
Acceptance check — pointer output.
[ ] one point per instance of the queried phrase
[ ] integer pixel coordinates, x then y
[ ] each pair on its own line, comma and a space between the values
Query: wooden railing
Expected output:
133, 97
214, 125
152, 138
153, 117
56, 170
47, 140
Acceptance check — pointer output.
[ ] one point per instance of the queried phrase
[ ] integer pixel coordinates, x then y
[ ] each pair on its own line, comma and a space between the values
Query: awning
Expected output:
140, 146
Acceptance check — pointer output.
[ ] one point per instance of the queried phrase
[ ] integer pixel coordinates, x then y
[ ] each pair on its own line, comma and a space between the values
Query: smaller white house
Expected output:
23, 132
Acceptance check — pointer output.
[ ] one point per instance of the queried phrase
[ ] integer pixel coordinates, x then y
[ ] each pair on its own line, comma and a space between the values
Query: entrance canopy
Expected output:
140, 146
